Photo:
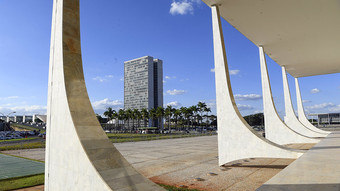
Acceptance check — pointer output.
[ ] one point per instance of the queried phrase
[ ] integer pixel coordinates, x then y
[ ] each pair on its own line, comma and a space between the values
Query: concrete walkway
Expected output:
318, 169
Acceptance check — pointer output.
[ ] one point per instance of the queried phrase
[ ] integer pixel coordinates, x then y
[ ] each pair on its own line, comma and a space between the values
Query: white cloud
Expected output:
231, 72
105, 103
174, 104
314, 91
102, 78
244, 107
9, 97
181, 8
306, 101
324, 107
170, 77
25, 109
335, 108
321, 106
176, 92
247, 97
234, 72
258, 111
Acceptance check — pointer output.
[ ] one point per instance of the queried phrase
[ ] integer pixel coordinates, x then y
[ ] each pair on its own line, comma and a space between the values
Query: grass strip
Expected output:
174, 188
27, 127
21, 182
23, 146
22, 139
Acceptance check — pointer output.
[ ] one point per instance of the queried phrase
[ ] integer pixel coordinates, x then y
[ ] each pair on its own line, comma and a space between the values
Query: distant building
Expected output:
327, 118
143, 85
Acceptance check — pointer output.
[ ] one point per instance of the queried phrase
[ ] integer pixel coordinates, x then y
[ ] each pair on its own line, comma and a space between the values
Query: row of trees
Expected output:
193, 116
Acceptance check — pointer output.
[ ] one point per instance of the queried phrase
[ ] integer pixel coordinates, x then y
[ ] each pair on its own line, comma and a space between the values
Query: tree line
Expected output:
184, 117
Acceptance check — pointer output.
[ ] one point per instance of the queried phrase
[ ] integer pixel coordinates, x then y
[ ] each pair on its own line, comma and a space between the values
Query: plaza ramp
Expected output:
318, 169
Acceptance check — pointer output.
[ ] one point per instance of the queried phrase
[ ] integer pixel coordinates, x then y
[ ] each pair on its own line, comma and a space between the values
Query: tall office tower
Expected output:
143, 85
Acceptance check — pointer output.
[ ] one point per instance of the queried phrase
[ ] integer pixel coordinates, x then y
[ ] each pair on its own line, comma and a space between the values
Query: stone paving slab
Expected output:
11, 167
318, 169
179, 161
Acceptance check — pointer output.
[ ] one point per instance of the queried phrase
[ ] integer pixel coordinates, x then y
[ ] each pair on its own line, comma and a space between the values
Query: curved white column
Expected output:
276, 130
79, 155
290, 118
301, 113
236, 139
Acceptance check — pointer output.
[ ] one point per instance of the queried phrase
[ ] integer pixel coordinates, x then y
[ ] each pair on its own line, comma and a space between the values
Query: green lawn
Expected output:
21, 182
24, 127
23, 146
10, 140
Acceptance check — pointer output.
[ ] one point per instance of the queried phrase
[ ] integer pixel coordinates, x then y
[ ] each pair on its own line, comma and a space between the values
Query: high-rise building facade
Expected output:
143, 85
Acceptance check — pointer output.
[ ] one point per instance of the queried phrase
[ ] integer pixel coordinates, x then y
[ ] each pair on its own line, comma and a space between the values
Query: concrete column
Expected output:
276, 130
33, 118
79, 155
236, 139
290, 119
301, 113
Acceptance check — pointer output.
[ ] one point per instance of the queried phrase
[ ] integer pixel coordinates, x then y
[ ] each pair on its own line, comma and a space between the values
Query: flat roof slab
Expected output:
318, 169
302, 35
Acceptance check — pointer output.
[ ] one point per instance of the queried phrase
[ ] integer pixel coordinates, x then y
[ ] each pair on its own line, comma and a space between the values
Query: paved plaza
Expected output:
179, 162
17, 167
317, 169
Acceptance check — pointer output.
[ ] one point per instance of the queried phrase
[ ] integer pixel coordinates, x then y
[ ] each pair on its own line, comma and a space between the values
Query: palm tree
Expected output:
201, 107
145, 115
177, 114
207, 110
213, 118
128, 116
168, 113
100, 119
137, 115
121, 115
109, 112
115, 117
184, 114
160, 115
194, 110
152, 115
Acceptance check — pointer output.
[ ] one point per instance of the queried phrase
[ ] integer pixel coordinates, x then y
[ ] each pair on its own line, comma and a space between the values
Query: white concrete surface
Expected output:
302, 35
276, 130
79, 156
236, 139
316, 170
301, 112
290, 118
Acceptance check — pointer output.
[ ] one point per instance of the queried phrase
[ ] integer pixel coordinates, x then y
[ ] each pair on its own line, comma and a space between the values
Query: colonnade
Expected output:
79, 156
236, 139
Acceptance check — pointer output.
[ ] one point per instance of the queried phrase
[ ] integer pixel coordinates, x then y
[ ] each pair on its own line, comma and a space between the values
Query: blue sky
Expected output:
178, 32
